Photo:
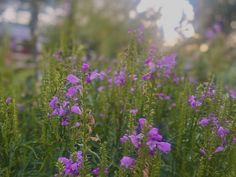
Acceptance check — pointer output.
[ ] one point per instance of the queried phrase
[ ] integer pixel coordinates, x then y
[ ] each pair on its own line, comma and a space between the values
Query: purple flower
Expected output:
167, 62
102, 75
53, 103
79, 156
217, 129
65, 104
136, 140
65, 122
209, 93
222, 132
152, 145
192, 100
110, 80
71, 167
76, 109
148, 60
154, 139
219, 149
58, 111
153, 134
72, 79
164, 147
8, 100
151, 66
204, 121
55, 112
85, 67
214, 120
64, 160
142, 122
96, 171
127, 162
74, 168
124, 138
202, 151
120, 78
92, 76
72, 91
155, 142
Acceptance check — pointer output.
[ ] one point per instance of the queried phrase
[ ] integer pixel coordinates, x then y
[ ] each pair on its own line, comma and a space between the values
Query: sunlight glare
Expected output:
172, 23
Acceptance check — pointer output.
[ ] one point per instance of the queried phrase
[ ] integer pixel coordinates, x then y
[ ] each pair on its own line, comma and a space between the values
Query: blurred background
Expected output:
202, 32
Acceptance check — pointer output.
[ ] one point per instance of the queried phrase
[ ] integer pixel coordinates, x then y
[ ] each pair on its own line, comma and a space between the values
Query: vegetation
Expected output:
143, 113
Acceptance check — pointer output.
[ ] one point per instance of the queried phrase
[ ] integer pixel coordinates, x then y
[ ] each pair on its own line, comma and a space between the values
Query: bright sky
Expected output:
172, 12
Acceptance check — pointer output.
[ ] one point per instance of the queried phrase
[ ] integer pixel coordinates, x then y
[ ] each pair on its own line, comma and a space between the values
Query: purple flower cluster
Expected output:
75, 86
92, 76
149, 61
72, 165
151, 139
164, 66
70, 104
127, 162
208, 92
217, 129
85, 67
155, 142
119, 78
167, 63
194, 102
